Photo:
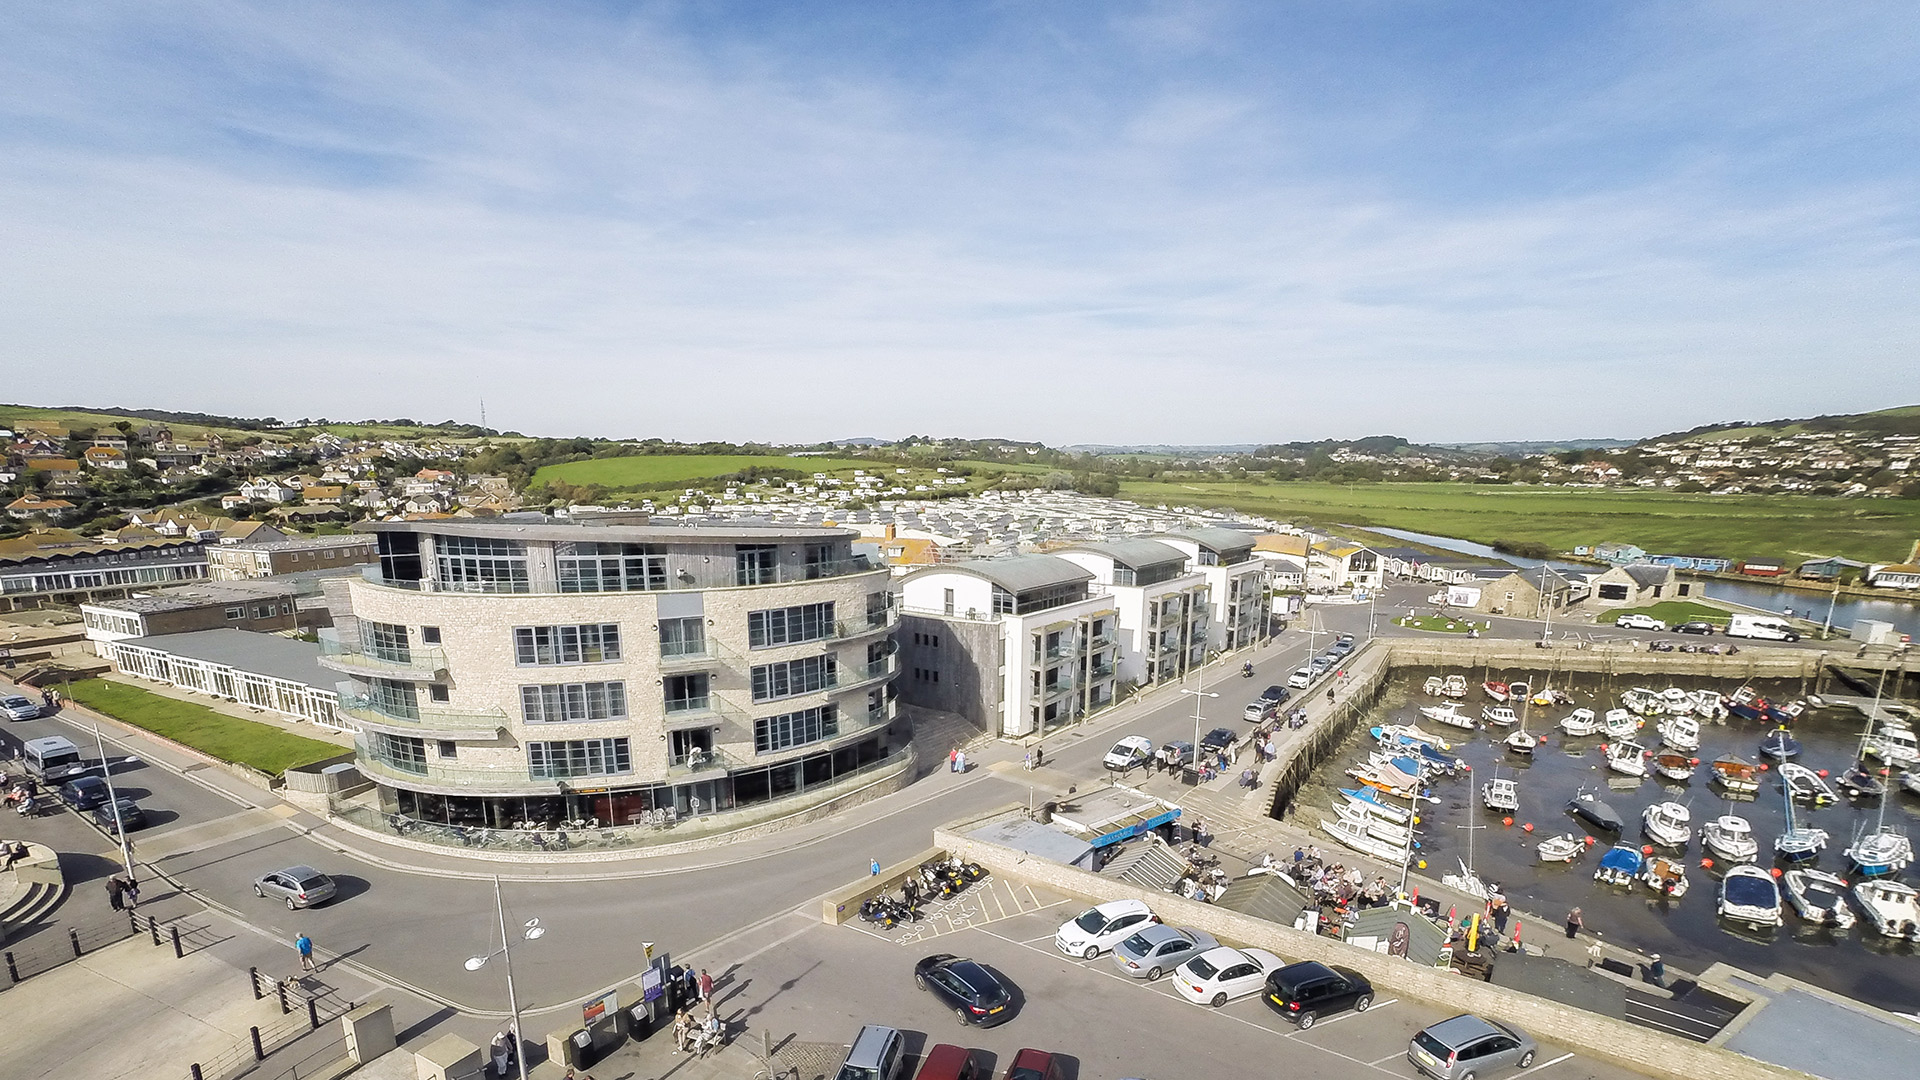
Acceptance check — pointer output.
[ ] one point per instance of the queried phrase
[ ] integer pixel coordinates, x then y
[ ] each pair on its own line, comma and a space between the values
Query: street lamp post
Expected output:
113, 800
532, 932
1197, 695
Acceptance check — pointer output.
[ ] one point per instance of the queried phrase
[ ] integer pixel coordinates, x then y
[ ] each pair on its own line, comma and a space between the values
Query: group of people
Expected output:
691, 1033
123, 893
22, 797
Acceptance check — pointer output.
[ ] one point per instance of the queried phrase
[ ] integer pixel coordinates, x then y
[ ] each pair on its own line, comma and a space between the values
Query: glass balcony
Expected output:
432, 774
425, 664
419, 720
697, 762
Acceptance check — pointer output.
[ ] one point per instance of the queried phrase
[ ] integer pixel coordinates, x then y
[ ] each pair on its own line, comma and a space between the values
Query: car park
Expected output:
1309, 990
1032, 1064
1218, 741
949, 1062
1301, 679
83, 793
15, 707
299, 886
1217, 976
1465, 1047
877, 1053
970, 990
1637, 621
130, 815
1259, 712
1276, 694
1128, 752
1101, 927
1156, 949
1695, 627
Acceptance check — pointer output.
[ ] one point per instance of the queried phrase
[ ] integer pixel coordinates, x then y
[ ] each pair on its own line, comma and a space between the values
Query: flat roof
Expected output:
1133, 553
199, 595
262, 654
650, 533
277, 543
1017, 573
1216, 538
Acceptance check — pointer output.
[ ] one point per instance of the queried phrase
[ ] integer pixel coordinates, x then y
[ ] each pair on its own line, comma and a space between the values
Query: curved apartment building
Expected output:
523, 669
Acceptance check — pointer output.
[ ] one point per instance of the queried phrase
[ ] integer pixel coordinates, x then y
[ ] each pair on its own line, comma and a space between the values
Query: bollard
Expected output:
153, 928
13, 972
253, 977
281, 989
259, 1054
313, 1015
178, 952
73, 936
194, 1069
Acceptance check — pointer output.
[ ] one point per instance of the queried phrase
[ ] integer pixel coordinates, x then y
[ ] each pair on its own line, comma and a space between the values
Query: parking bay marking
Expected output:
1349, 1014
1544, 1064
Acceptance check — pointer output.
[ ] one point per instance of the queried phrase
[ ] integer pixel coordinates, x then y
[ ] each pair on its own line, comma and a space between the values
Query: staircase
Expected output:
30, 905
1153, 866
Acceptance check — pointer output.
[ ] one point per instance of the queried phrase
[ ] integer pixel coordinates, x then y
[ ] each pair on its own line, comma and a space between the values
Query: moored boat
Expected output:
1675, 700
1797, 843
1563, 848
1667, 823
1627, 758
1370, 798
1433, 686
1355, 835
1674, 765
1668, 877
1500, 794
1500, 715
1894, 744
1494, 689
1521, 742
1448, 713
1805, 784
1730, 837
1581, 722
1619, 866
1643, 702
1680, 732
1892, 909
1708, 705
1818, 897
1748, 705
1881, 851
1455, 686
1748, 895
1779, 744
1377, 827
1861, 783
1910, 781
1736, 774
1595, 811
1620, 724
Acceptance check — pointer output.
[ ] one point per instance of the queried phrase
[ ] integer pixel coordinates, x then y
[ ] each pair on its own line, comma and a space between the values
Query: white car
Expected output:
1100, 928
1639, 622
1128, 752
1217, 976
1301, 679
14, 707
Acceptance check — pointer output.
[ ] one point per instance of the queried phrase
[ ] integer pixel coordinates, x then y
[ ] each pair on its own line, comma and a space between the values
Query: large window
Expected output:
385, 641
1613, 592
481, 564
687, 693
596, 567
396, 699
579, 757
803, 676
877, 608
564, 703
590, 643
400, 752
683, 637
795, 729
789, 626
754, 564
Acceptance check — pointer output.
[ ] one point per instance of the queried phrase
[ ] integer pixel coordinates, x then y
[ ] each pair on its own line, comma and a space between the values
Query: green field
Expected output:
1675, 612
229, 738
79, 418
1727, 526
655, 471
1439, 624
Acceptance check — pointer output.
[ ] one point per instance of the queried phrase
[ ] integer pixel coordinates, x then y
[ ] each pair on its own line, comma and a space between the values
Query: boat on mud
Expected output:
1643, 702
1496, 690
1748, 895
1581, 722
1818, 897
1620, 724
1448, 713
1499, 715
1680, 733
1500, 794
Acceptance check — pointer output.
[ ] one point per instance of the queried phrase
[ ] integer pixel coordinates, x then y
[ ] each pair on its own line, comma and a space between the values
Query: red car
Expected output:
949, 1062
1033, 1065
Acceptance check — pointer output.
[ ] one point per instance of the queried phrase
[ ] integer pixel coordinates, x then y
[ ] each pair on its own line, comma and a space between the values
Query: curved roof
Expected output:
1133, 553
1215, 537
1017, 573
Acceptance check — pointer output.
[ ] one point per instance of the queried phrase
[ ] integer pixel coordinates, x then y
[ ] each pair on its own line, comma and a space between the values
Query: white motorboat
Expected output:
1707, 705
1454, 687
1805, 784
1665, 876
1643, 702
1376, 826
1881, 851
1910, 780
1521, 742
1736, 774
1500, 794
1675, 700
1369, 800
1667, 823
1730, 837
1748, 895
1500, 715
1433, 686
1680, 732
1581, 722
1620, 724
1894, 744
1410, 733
1674, 765
1496, 690
1627, 757
1891, 908
1353, 834
1563, 848
1818, 897
1448, 713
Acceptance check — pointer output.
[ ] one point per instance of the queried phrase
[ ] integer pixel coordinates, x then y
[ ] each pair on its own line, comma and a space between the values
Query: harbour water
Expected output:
1687, 932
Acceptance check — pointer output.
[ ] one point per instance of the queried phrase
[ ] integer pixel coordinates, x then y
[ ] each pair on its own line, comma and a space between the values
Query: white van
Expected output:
1769, 627
53, 759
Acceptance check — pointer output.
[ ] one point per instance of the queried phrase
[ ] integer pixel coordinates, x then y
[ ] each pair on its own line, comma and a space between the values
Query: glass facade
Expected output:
481, 564
595, 567
792, 729
573, 702
789, 626
589, 643
807, 675
579, 757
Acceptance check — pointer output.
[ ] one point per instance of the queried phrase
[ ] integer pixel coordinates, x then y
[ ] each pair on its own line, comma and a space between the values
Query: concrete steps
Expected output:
33, 902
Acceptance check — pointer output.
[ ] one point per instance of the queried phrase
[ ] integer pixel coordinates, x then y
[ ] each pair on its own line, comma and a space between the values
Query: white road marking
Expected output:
1544, 1064
1348, 1015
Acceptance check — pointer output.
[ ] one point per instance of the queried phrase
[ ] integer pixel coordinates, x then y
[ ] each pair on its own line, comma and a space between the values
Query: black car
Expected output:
1307, 991
83, 793
130, 815
1275, 695
977, 997
1217, 740
1695, 627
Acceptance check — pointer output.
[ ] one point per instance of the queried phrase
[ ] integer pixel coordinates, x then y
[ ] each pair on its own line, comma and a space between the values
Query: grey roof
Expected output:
1216, 538
262, 654
202, 594
279, 543
1133, 553
1029, 836
650, 533
1018, 573
1647, 576
1538, 575
1265, 896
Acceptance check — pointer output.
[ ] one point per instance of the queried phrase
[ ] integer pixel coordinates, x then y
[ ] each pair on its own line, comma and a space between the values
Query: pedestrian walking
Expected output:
1657, 970
960, 762
305, 945
1574, 922
873, 867
1029, 764
132, 894
499, 1048
1039, 757
953, 759
706, 987
116, 891
1500, 913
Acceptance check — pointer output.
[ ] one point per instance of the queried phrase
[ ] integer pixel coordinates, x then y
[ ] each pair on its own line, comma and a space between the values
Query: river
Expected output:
1847, 610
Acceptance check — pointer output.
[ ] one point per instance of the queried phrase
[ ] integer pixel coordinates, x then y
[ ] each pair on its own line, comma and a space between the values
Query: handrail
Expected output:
362, 707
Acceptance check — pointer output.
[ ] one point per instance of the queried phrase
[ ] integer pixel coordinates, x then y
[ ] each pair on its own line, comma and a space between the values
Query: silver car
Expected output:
15, 707
1158, 949
1466, 1047
299, 886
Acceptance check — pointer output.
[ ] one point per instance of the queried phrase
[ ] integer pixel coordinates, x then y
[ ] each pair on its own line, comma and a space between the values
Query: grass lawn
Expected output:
1789, 527
653, 471
1438, 624
228, 738
1675, 612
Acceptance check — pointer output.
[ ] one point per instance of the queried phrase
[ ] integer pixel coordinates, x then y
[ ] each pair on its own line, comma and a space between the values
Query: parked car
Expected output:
1128, 752
876, 1054
1177, 753
1637, 621
1033, 1065
949, 1062
1157, 949
1301, 679
1259, 712
1467, 1046
1217, 976
1345, 639
1695, 627
83, 793
1306, 991
973, 993
1218, 740
299, 886
15, 707
1341, 648
1101, 927
1276, 693
131, 815
1319, 665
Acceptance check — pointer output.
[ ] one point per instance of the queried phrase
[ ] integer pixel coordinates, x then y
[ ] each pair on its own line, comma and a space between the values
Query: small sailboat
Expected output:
1818, 897
1563, 848
1881, 851
1748, 895
1730, 837
1737, 775
1521, 742
1433, 686
1494, 689
1667, 823
1627, 758
1795, 843
1581, 722
1665, 876
1674, 765
1500, 794
1355, 835
1620, 724
1448, 713
1680, 732
1779, 744
1805, 784
1594, 810
1454, 687
1374, 804
1643, 702
1892, 909
1619, 866
1499, 715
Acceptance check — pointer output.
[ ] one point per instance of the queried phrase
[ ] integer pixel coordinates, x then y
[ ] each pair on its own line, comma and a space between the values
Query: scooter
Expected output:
1246, 670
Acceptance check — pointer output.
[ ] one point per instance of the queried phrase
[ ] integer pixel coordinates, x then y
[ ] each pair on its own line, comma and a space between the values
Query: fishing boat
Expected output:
1521, 742
1500, 715
1779, 744
1818, 897
1643, 702
1748, 895
1707, 705
1454, 687
1894, 744
1910, 781
1860, 782
1748, 705
1737, 775
1563, 848
1619, 866
1627, 758
1388, 779
1667, 823
1355, 835
1665, 876
1581, 722
1448, 713
1409, 732
1594, 810
1377, 827
1498, 691
1796, 843
1805, 784
1730, 837
1680, 732
1880, 851
1371, 800
1500, 794
1620, 724
1674, 765
1675, 700
1892, 909
1433, 686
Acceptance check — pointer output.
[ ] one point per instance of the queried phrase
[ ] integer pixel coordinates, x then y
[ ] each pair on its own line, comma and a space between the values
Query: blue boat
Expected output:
1748, 705
1780, 745
1434, 759
1619, 866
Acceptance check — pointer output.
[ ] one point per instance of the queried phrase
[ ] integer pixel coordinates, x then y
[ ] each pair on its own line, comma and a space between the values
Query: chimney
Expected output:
890, 535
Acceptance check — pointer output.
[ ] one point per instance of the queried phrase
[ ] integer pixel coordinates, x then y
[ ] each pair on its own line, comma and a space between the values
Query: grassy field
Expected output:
1436, 624
655, 471
79, 418
1675, 612
1727, 526
229, 738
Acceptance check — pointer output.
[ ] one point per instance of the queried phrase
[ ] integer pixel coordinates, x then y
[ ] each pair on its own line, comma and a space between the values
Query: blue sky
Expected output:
1074, 222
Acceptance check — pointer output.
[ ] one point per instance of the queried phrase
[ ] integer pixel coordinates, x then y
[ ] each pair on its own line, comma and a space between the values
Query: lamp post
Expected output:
119, 827
532, 932
1197, 695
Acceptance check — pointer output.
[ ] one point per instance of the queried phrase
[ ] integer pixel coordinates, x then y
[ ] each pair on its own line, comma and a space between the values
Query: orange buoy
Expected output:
1646, 753
1528, 827
1507, 821
1590, 841
1646, 849
1693, 761
1706, 864
1776, 871
1603, 748
1763, 766
1821, 773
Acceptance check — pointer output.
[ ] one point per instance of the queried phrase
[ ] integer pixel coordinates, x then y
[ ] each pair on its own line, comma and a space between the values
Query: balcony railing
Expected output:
504, 780
411, 665
695, 762
778, 574
385, 714
711, 708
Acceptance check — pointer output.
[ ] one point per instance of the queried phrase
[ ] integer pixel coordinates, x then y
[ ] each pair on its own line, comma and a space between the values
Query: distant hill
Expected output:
1904, 420
193, 423
1523, 449
1162, 449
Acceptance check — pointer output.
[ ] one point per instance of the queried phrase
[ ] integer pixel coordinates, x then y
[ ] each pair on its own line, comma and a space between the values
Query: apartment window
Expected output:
438, 694
877, 608
564, 703
754, 564
789, 626
385, 641
683, 637
481, 564
579, 757
818, 560
234, 613
803, 676
447, 749
395, 699
430, 635
687, 693
588, 643
795, 729
263, 611
596, 567
946, 602
401, 752
1003, 601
